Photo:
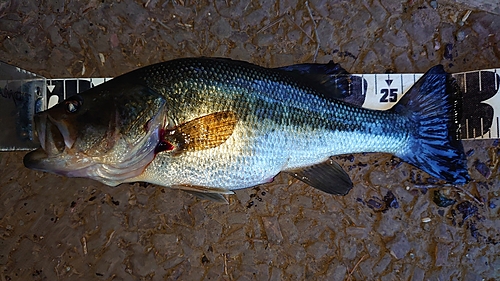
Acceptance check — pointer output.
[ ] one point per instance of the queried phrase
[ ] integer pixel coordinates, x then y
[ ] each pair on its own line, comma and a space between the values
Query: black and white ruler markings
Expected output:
61, 89
480, 107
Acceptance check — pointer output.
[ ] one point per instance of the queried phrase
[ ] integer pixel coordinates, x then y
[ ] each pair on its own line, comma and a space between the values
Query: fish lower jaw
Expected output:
120, 165
111, 174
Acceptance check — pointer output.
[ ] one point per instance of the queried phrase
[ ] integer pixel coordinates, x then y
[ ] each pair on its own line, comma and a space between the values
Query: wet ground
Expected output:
396, 224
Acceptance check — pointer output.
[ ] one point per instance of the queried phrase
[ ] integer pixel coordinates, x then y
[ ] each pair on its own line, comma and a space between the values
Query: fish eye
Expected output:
73, 105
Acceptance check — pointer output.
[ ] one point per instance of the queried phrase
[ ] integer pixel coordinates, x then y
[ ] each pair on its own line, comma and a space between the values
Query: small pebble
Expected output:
492, 205
425, 220
441, 200
390, 200
496, 142
483, 169
467, 209
374, 204
460, 36
448, 51
437, 45
434, 4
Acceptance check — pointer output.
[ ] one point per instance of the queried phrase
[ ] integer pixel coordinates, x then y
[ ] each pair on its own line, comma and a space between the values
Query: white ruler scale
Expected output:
23, 93
385, 90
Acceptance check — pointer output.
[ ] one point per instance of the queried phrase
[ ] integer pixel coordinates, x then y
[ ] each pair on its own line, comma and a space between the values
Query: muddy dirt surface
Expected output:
396, 224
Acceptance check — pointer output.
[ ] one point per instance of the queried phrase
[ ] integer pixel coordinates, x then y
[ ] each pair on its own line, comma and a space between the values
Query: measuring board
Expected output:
480, 108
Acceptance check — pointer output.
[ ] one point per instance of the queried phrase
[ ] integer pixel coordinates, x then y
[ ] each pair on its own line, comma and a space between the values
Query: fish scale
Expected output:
210, 125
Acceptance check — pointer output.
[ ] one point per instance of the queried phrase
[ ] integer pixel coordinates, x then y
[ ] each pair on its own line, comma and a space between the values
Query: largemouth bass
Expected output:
209, 126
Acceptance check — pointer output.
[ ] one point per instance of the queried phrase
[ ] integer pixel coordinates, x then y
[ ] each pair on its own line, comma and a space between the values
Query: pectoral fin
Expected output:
327, 176
206, 193
205, 132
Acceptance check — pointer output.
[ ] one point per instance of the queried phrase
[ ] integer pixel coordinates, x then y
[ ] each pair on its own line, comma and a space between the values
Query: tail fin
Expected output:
433, 105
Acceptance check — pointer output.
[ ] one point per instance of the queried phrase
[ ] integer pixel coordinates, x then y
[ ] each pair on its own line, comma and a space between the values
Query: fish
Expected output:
210, 126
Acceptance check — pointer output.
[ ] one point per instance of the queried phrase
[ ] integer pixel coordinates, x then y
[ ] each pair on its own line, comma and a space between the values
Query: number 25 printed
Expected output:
389, 95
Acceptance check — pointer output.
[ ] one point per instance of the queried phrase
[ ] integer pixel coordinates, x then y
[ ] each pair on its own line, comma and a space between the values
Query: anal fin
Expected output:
327, 176
206, 193
214, 197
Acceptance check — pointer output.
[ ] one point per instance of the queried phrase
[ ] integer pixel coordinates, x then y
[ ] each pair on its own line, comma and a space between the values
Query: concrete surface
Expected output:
54, 228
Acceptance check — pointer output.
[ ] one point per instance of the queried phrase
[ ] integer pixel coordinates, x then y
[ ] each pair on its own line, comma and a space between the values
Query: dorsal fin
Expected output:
330, 80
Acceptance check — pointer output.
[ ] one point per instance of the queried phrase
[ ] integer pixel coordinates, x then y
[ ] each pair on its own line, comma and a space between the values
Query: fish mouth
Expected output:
54, 139
51, 138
